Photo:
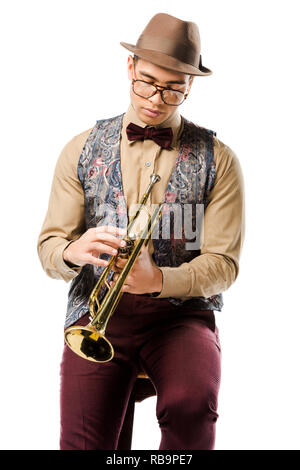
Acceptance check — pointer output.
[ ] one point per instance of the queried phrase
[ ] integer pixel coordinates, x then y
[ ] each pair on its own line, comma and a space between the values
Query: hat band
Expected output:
182, 52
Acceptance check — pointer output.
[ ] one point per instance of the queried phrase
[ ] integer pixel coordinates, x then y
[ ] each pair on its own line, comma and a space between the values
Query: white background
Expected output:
62, 68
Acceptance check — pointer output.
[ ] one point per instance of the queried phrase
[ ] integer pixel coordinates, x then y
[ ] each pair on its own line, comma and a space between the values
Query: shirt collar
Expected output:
175, 122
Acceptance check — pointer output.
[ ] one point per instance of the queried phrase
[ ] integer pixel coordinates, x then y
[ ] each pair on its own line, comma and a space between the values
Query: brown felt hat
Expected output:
171, 43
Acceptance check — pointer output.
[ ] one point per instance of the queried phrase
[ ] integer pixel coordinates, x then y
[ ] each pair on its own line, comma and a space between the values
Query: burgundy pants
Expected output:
180, 351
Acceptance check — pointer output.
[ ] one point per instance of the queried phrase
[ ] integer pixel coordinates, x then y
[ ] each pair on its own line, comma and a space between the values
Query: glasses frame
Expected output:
162, 89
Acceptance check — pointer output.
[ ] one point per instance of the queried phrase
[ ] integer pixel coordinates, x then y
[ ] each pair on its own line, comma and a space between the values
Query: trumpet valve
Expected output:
126, 251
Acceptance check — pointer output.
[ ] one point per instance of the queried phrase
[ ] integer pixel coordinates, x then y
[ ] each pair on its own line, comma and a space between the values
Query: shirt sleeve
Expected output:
217, 267
64, 221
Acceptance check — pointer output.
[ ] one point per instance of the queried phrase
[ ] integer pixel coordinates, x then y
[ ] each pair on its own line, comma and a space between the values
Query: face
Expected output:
154, 74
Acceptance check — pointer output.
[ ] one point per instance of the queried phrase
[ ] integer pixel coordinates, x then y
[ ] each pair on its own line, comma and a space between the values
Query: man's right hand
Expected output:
94, 242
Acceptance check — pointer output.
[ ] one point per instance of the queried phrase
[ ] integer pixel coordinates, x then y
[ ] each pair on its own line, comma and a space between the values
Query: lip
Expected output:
152, 112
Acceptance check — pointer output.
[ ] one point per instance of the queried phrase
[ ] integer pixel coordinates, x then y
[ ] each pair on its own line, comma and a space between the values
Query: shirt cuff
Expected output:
176, 281
66, 271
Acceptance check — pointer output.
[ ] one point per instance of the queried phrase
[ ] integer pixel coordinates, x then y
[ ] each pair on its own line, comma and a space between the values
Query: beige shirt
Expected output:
208, 274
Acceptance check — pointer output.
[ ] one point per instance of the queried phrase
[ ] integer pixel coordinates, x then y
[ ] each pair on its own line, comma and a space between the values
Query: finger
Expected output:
122, 258
125, 287
99, 248
128, 280
96, 261
109, 239
117, 231
115, 269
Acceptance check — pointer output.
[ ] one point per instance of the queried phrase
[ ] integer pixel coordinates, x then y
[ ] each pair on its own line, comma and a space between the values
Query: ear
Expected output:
190, 81
130, 67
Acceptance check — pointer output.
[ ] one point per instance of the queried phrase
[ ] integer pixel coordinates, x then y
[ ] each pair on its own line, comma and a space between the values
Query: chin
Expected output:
150, 120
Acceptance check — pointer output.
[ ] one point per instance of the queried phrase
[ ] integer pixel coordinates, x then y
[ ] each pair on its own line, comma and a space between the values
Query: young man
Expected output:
164, 324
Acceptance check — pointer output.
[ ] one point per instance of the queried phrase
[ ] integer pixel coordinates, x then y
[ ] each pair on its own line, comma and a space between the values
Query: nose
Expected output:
156, 99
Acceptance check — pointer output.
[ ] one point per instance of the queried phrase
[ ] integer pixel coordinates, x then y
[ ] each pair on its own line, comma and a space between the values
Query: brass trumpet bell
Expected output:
89, 343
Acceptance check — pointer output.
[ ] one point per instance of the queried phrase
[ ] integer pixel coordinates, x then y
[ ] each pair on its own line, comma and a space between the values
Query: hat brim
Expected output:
166, 61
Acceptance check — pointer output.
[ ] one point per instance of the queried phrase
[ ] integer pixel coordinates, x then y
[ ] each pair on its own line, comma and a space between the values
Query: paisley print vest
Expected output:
99, 171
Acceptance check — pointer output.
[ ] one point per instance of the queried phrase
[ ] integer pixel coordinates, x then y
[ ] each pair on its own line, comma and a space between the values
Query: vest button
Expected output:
147, 163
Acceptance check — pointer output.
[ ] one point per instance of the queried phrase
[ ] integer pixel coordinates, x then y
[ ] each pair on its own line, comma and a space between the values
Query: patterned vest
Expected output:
99, 171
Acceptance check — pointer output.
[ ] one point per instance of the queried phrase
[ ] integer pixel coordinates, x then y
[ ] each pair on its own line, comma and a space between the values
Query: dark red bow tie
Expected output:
162, 136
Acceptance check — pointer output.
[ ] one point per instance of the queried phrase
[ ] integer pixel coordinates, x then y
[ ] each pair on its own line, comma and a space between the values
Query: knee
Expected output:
187, 407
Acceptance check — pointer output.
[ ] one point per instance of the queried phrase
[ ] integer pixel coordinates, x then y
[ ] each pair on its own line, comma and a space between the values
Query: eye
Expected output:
149, 83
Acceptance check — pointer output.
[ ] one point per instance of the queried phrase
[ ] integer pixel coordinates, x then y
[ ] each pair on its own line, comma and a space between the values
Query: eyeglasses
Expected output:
168, 95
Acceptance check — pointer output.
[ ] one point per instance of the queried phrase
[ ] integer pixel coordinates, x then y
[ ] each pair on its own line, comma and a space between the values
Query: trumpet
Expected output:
89, 341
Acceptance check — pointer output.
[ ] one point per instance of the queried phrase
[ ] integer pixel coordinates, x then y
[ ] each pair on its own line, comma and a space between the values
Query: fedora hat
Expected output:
171, 43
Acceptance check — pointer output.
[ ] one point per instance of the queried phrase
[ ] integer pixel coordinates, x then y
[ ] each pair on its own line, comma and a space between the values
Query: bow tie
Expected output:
162, 136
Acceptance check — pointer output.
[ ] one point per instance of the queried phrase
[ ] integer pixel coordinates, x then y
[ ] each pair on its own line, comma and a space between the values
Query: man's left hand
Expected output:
144, 277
